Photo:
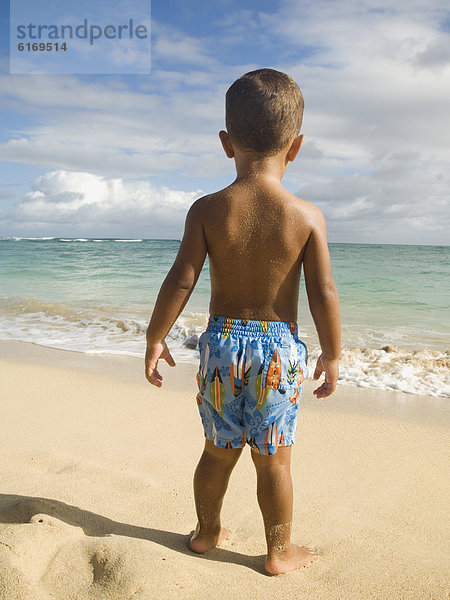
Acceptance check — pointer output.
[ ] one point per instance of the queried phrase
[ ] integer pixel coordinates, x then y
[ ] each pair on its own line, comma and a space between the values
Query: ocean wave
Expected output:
92, 330
48, 238
58, 325
30, 239
424, 371
121, 330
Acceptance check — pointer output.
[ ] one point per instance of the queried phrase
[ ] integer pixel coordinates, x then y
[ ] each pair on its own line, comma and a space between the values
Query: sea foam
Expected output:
110, 330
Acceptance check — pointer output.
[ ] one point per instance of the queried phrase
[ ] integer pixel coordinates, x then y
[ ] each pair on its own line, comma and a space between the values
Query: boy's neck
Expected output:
250, 166
270, 168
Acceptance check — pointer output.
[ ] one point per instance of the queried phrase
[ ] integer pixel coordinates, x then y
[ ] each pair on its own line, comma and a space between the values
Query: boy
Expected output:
252, 364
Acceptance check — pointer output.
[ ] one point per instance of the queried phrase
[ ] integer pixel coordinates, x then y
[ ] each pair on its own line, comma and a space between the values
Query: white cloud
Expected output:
170, 44
74, 203
401, 201
376, 81
108, 129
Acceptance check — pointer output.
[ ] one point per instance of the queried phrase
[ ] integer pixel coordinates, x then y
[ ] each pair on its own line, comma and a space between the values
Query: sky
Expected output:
125, 155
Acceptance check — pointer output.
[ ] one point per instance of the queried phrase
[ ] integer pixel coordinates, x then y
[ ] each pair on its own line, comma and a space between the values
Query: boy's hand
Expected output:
153, 353
331, 369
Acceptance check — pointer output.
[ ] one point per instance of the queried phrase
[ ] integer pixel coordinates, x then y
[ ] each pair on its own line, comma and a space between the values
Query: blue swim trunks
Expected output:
250, 381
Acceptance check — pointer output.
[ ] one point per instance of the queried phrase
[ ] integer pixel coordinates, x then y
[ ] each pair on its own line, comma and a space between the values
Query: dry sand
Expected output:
96, 490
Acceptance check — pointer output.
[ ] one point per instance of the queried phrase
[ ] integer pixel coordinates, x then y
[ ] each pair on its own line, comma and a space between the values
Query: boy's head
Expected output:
264, 111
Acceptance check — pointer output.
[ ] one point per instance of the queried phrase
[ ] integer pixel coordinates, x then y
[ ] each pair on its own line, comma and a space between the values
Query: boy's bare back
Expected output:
256, 233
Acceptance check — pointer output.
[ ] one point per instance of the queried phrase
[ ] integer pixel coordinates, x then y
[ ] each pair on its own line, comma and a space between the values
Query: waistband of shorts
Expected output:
230, 325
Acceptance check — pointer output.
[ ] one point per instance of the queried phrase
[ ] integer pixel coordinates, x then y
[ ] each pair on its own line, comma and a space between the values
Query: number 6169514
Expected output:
41, 47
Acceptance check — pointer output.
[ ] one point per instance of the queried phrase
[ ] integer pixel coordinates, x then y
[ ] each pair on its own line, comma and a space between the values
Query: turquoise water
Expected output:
97, 296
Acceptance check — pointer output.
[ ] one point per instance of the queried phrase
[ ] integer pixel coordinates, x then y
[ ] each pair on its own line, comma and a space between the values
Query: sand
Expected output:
96, 490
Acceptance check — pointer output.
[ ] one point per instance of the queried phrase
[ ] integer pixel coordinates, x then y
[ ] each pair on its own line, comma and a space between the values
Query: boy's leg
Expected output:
210, 484
275, 499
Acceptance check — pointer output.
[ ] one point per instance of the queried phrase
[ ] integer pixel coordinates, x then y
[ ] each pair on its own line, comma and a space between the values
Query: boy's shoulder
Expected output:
214, 210
304, 209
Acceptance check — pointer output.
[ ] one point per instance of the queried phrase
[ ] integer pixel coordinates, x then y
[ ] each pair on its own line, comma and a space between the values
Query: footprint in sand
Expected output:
42, 556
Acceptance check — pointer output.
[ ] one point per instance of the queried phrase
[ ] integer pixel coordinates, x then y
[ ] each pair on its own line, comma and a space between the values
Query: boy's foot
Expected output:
201, 544
295, 558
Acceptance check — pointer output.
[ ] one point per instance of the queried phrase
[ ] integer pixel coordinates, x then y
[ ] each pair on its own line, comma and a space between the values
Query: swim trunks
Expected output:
250, 381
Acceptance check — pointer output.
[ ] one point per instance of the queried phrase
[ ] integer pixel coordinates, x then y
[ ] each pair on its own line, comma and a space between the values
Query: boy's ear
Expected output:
226, 143
295, 147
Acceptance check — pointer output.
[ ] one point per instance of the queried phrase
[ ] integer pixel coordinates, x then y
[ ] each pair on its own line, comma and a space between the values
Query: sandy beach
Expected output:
96, 502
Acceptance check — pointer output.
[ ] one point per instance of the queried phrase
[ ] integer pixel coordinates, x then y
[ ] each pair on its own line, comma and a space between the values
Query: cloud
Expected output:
83, 203
401, 201
172, 45
5, 193
436, 54
112, 130
376, 81
364, 91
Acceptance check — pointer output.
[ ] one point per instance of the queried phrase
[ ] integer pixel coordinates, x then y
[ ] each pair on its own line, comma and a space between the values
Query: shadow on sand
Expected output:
20, 509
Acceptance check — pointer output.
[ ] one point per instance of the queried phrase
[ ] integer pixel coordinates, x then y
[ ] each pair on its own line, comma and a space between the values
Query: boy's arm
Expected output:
175, 292
324, 304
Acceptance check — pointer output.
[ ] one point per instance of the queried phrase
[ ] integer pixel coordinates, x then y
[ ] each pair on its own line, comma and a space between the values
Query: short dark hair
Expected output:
263, 110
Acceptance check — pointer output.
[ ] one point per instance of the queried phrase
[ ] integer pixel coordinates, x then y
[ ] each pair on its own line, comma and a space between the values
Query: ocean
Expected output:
96, 296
